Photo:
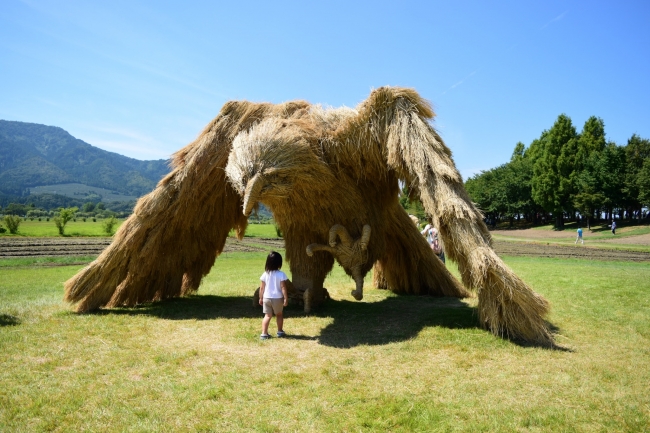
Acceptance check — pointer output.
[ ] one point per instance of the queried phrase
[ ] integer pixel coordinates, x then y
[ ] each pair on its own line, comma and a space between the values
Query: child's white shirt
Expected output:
272, 280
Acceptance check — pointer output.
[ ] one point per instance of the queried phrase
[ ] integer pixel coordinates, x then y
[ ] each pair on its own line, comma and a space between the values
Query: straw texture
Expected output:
331, 179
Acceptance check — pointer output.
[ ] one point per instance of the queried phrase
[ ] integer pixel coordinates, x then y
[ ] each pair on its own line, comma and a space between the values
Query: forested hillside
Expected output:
564, 174
33, 155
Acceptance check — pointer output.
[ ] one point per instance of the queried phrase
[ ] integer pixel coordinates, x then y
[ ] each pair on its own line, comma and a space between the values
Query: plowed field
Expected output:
57, 247
562, 251
52, 247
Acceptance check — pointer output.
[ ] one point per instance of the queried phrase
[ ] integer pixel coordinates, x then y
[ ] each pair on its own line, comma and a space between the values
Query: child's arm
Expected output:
262, 287
283, 286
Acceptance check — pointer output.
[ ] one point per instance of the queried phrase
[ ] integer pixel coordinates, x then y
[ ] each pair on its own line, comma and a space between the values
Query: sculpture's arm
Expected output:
175, 233
397, 120
312, 248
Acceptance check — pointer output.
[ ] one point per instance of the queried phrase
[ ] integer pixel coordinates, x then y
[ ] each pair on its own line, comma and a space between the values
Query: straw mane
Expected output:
320, 171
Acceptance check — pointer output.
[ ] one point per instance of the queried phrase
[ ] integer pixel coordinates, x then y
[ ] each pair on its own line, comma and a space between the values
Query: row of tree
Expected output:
89, 210
564, 173
61, 219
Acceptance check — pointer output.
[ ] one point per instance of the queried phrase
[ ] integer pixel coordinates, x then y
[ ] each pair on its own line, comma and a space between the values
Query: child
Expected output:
579, 238
273, 294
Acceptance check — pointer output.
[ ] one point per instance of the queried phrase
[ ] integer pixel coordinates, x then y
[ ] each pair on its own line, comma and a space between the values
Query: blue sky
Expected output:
142, 78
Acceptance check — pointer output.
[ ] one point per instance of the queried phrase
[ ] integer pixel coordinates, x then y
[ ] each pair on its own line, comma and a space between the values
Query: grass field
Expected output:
73, 228
89, 228
389, 363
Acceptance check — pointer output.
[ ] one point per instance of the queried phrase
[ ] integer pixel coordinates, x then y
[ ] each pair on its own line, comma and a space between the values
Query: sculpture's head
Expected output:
268, 161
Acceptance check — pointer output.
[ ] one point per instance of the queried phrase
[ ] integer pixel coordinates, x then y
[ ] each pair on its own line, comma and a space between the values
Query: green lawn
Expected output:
89, 228
260, 231
389, 363
73, 228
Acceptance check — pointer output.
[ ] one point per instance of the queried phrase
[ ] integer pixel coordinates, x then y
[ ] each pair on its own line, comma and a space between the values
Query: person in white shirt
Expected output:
273, 294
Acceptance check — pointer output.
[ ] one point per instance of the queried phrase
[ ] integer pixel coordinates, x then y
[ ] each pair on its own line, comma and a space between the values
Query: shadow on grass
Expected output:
391, 320
355, 323
9, 320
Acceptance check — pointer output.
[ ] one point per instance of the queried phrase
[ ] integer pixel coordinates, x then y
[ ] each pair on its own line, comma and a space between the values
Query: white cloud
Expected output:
125, 141
557, 18
460, 82
131, 149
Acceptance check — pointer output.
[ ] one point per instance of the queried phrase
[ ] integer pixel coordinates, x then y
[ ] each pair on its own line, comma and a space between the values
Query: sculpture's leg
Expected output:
507, 306
408, 264
312, 288
308, 272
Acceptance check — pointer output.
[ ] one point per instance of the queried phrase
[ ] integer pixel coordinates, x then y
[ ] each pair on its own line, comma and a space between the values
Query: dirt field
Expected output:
569, 251
530, 243
536, 234
56, 247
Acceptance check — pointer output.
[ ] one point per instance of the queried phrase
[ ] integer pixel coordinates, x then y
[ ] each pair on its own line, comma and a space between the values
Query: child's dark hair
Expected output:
273, 262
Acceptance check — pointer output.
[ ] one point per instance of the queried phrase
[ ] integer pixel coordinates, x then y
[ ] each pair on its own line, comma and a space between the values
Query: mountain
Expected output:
36, 155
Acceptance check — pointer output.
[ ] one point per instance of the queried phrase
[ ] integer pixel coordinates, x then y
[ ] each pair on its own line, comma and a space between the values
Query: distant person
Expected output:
273, 294
437, 249
579, 237
613, 227
431, 233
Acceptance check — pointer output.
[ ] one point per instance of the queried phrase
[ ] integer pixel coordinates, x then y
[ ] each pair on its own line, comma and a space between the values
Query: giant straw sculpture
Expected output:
316, 169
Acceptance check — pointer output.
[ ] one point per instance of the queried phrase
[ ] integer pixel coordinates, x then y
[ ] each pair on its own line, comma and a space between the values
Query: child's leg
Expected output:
279, 317
265, 324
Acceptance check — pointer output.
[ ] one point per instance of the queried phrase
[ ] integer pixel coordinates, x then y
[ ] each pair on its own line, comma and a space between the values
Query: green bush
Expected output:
109, 225
65, 215
12, 222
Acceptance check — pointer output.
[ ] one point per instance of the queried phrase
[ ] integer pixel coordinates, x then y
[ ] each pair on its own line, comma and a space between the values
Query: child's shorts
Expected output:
272, 305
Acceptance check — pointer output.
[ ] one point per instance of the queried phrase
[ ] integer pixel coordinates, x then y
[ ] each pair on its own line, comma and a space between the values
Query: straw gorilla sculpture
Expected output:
326, 174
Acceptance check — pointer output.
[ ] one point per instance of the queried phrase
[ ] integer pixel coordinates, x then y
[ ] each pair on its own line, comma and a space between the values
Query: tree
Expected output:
637, 152
519, 152
88, 206
589, 184
587, 177
16, 209
504, 190
553, 168
643, 183
592, 138
109, 225
12, 222
411, 203
65, 215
